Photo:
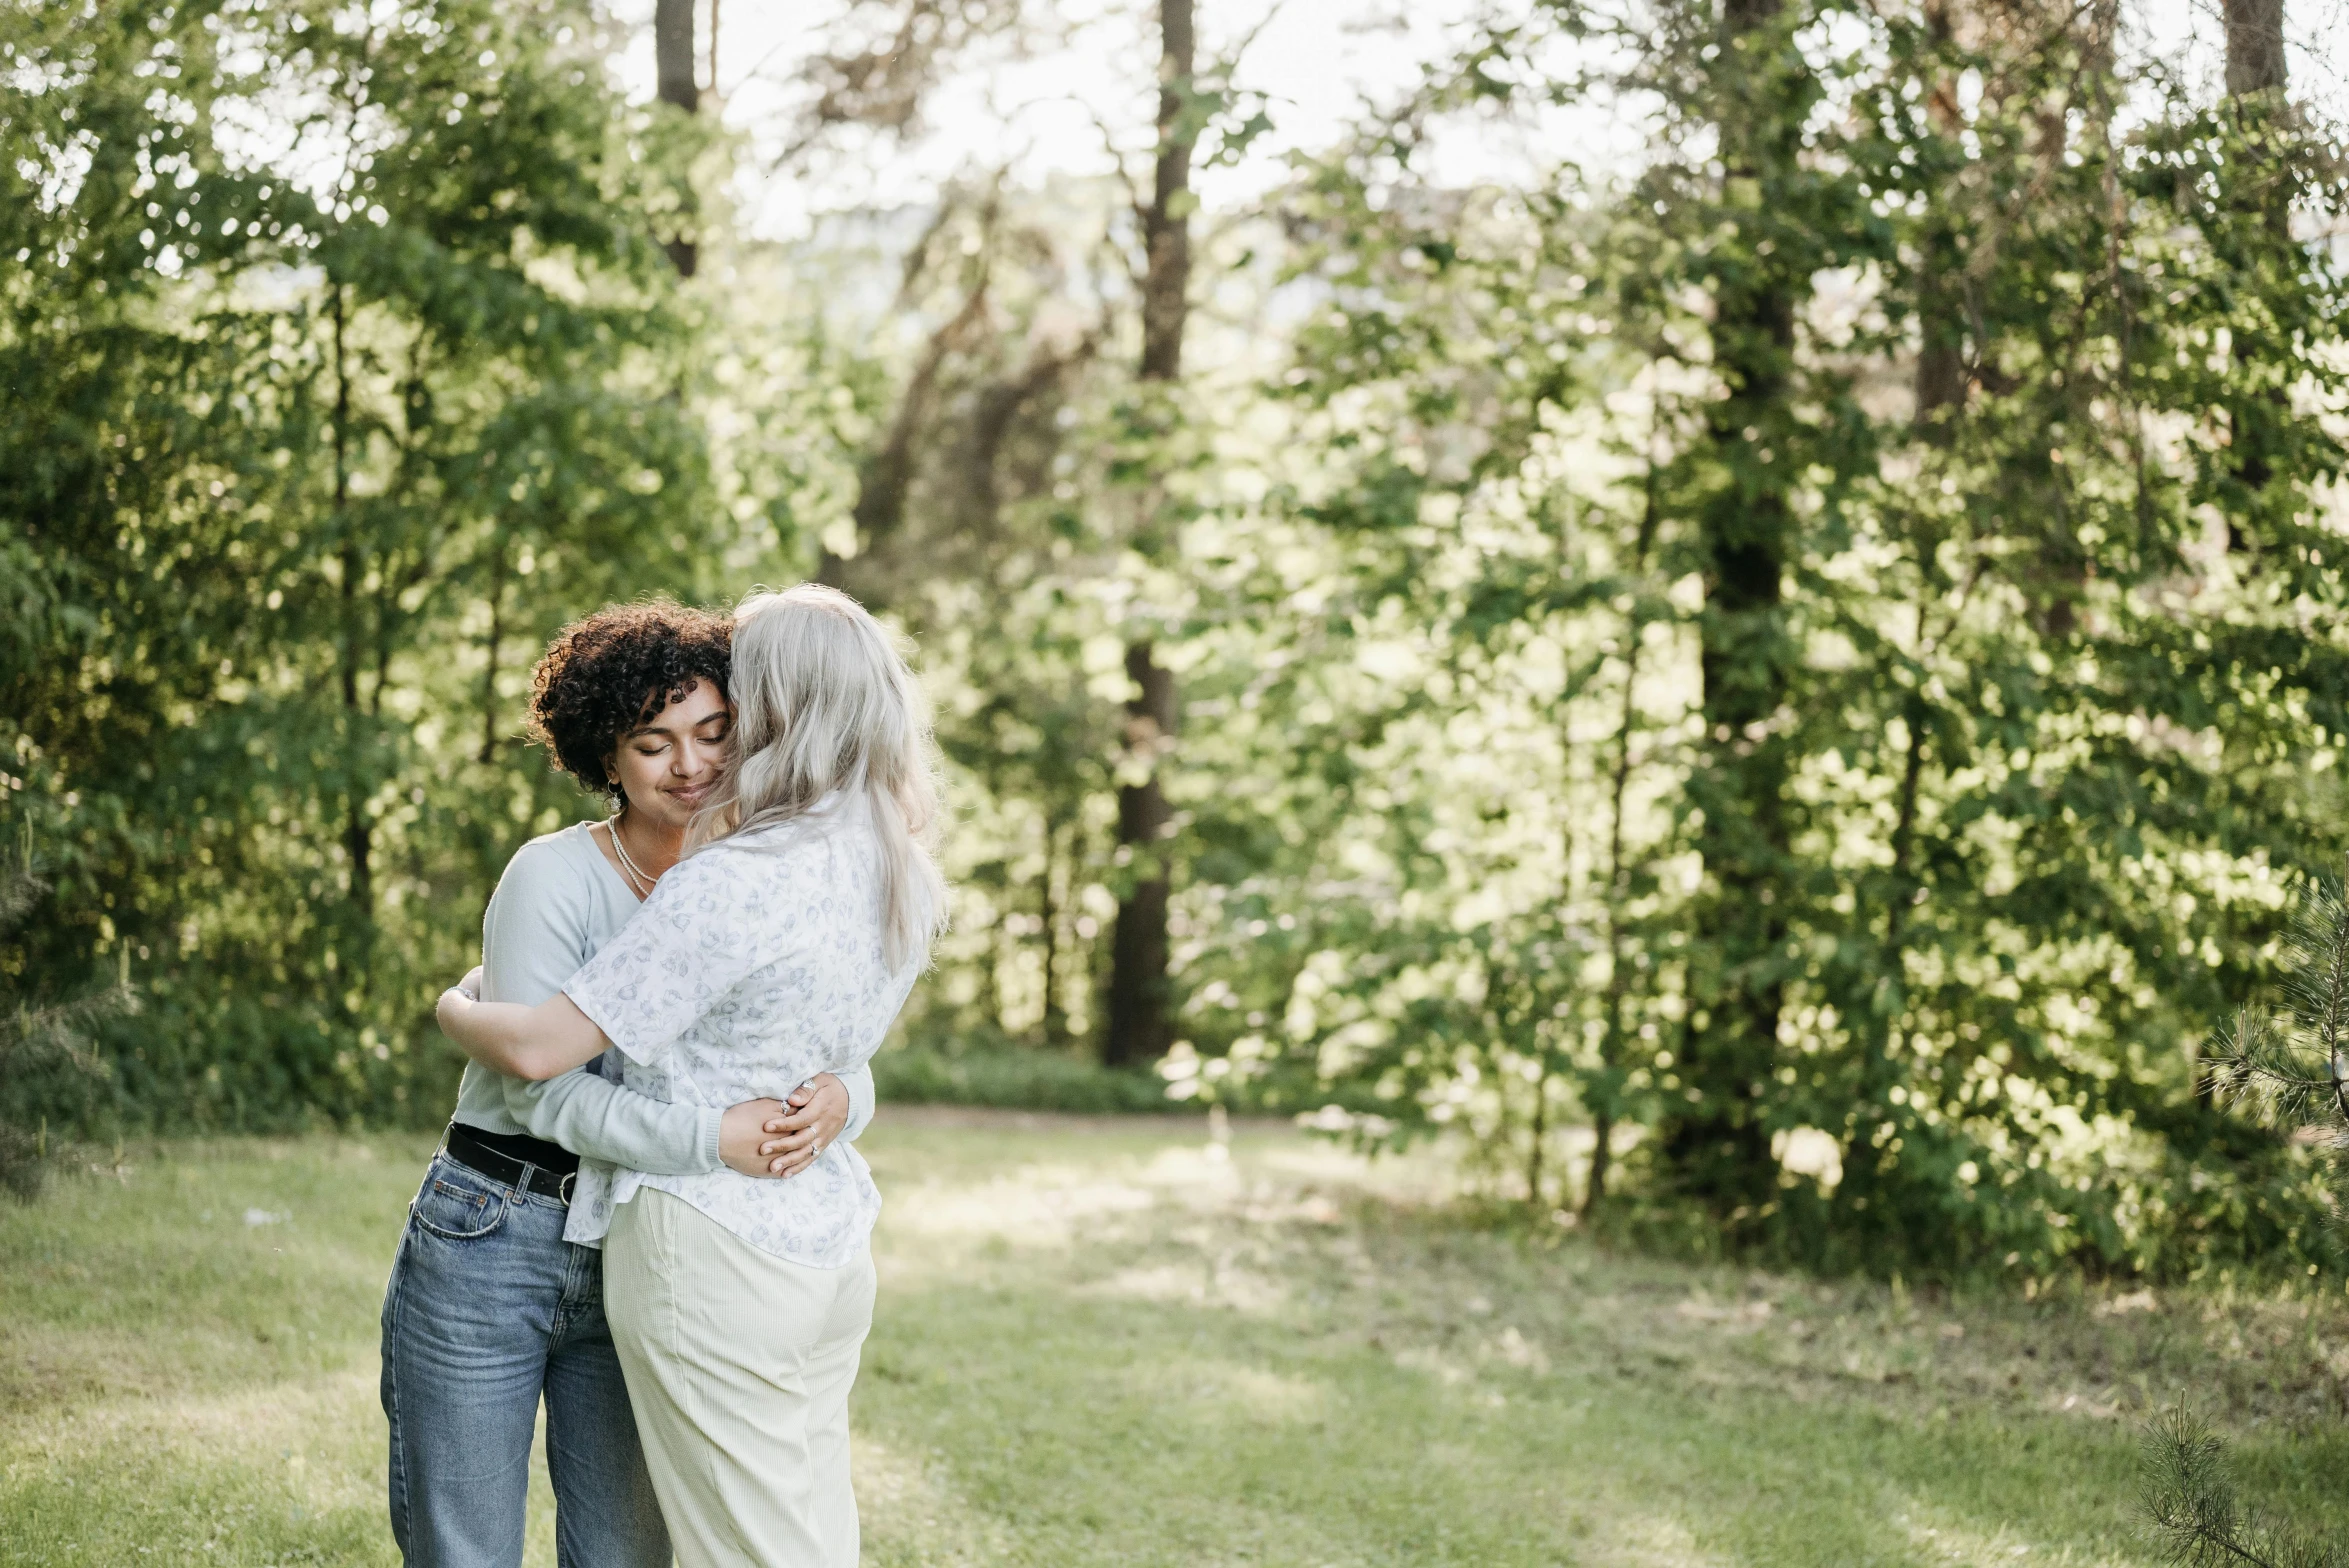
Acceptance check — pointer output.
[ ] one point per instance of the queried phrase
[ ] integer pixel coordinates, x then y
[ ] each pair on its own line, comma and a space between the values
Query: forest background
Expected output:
1740, 606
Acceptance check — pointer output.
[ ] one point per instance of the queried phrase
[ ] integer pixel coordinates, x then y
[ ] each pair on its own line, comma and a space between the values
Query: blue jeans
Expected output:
488, 1309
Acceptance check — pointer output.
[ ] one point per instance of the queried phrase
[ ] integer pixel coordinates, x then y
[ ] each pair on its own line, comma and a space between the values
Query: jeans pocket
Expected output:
456, 1207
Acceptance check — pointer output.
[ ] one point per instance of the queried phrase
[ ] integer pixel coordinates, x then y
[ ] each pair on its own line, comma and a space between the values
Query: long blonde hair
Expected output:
823, 701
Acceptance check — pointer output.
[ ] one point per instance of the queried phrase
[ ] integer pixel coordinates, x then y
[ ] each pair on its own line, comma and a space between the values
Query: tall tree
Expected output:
1939, 383
2257, 419
2255, 47
673, 68
1139, 1026
1757, 91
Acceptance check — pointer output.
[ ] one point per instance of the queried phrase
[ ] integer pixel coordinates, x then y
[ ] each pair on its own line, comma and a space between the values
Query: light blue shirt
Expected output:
555, 907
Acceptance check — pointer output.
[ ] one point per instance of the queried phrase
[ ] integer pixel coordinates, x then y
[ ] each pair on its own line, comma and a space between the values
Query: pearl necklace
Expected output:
638, 882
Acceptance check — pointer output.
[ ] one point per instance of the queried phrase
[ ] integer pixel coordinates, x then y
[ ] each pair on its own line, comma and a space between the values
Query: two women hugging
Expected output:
649, 1210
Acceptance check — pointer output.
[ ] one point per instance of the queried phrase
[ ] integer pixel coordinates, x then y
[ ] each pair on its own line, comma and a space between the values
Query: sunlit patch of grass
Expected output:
912, 1513
187, 1358
1126, 1342
184, 1372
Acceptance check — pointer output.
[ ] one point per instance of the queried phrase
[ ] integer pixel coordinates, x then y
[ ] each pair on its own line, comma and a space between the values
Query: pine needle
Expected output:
2197, 1521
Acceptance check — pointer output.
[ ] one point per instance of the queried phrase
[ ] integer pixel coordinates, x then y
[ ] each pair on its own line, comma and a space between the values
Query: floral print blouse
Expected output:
755, 965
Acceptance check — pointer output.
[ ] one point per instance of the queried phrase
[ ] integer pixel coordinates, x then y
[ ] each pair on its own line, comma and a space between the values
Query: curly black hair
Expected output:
614, 670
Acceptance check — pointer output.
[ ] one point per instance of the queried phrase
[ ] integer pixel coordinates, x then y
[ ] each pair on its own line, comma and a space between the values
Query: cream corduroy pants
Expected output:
739, 1365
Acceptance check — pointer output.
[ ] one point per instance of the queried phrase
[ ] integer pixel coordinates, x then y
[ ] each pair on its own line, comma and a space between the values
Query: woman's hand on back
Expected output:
817, 1112
742, 1129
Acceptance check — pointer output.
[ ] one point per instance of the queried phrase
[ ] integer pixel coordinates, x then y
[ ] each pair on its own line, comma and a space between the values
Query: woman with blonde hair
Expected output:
781, 946
495, 1304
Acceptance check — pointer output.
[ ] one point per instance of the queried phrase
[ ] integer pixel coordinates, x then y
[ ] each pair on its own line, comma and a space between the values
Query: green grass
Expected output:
1109, 1342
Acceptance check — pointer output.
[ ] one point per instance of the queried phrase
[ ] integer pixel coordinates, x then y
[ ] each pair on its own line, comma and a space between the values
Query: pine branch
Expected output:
2196, 1518
2295, 1069
33, 1038
19, 890
2257, 1063
38, 1036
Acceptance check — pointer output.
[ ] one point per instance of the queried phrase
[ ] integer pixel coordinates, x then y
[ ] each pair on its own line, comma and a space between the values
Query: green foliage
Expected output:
1013, 1077
2289, 1070
2285, 1071
1861, 781
339, 367
39, 1044
1782, 678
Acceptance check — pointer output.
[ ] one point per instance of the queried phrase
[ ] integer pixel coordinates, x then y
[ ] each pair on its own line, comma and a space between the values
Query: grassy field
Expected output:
1118, 1342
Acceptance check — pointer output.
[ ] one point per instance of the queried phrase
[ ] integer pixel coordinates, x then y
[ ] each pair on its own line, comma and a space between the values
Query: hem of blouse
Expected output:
868, 1218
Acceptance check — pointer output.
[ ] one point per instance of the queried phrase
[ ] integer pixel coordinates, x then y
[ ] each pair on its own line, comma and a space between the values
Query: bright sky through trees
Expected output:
1053, 104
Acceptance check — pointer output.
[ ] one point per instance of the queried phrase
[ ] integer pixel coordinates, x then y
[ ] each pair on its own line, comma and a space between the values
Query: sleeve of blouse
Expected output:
702, 932
861, 1101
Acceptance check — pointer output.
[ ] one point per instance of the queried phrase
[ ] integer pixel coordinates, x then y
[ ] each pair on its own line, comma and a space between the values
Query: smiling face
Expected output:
667, 765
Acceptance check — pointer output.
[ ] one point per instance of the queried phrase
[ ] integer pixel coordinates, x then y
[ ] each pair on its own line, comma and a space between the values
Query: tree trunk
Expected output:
1166, 227
675, 83
358, 833
1941, 360
1055, 1026
2255, 70
1613, 1052
991, 972
1541, 1135
489, 675
1719, 1145
884, 479
2255, 47
1138, 1027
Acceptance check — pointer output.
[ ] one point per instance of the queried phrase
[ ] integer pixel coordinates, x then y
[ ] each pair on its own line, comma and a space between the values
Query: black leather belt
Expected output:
473, 1149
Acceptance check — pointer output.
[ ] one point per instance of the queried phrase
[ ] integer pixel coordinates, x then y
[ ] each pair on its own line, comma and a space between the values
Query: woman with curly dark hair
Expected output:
492, 1304
784, 944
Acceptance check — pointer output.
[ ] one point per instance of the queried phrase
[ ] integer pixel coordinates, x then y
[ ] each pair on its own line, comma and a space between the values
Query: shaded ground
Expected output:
1112, 1342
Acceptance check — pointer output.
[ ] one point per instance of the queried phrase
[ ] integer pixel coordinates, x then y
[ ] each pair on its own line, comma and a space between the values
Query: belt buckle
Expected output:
565, 1187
